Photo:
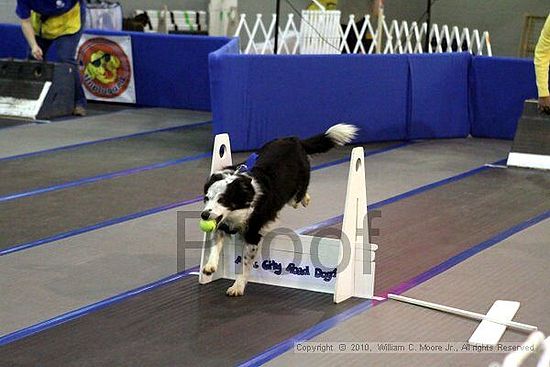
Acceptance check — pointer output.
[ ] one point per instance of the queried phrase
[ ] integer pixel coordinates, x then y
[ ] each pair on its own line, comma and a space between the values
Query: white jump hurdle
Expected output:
534, 344
304, 262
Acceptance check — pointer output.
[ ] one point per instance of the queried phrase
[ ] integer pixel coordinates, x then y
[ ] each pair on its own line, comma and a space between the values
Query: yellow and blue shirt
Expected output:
542, 59
46, 8
52, 18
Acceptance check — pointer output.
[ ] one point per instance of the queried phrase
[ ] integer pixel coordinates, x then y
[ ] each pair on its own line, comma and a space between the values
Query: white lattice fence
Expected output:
255, 38
321, 33
401, 38
445, 41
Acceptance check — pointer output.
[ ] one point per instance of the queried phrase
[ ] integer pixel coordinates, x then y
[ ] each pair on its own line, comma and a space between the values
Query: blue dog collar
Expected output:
248, 164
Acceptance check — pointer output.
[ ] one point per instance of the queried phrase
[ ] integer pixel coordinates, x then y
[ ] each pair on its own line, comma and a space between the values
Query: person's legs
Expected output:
66, 52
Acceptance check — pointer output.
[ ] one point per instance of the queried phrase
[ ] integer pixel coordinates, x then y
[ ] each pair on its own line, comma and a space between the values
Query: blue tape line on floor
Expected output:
106, 223
148, 167
419, 190
113, 221
51, 150
106, 176
263, 357
91, 308
317, 329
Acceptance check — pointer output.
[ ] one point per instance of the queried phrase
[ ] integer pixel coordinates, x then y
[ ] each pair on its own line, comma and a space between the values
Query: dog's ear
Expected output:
239, 193
214, 177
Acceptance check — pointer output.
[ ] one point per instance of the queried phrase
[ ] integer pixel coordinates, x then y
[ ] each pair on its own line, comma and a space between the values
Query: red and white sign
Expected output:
106, 68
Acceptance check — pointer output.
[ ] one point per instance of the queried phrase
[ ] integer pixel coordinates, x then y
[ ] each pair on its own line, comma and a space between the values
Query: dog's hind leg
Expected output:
294, 203
302, 197
214, 258
249, 254
306, 200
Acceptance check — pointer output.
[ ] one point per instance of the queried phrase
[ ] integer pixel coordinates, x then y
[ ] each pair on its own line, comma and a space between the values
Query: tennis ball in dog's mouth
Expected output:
207, 225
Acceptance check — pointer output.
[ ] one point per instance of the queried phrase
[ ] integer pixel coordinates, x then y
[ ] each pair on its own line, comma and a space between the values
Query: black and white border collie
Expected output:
245, 201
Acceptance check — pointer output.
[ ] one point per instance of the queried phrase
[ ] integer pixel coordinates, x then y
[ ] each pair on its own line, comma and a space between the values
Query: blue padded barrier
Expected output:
499, 86
258, 98
219, 93
169, 70
12, 42
439, 96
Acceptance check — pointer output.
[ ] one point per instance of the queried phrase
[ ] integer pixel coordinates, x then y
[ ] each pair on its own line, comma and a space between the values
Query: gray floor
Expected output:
515, 269
49, 214
174, 324
45, 281
93, 109
61, 166
454, 218
31, 138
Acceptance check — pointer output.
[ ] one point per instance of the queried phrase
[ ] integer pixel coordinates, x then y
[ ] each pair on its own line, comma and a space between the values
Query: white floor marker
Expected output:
488, 332
499, 316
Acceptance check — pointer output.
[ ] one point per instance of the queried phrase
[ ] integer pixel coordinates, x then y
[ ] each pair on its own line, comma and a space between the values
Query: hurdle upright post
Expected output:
355, 274
221, 157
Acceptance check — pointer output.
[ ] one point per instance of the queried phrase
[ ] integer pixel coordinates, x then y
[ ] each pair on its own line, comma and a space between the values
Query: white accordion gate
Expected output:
320, 33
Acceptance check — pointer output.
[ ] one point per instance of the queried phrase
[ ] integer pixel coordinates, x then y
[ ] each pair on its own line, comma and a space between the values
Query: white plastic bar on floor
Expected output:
460, 312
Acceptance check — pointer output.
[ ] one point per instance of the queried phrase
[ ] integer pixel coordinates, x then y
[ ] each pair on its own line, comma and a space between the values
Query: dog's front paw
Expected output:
306, 200
209, 269
237, 289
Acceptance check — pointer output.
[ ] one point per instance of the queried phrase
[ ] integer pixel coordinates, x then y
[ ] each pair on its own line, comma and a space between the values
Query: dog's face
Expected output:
228, 198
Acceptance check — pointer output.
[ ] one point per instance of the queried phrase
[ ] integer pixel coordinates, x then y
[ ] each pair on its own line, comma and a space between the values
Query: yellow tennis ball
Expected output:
207, 225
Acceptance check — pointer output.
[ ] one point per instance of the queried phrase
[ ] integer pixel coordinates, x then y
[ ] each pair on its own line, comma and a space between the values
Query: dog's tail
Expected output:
336, 135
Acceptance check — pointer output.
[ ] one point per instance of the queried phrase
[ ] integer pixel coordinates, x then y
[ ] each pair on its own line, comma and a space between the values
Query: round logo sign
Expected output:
104, 67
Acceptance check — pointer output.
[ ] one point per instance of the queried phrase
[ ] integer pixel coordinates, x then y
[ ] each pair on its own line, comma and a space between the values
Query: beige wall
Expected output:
502, 18
128, 6
7, 11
